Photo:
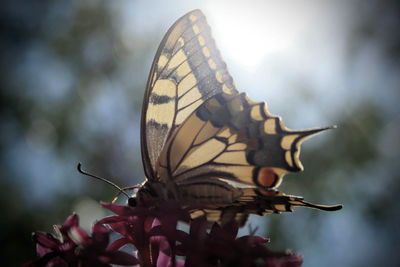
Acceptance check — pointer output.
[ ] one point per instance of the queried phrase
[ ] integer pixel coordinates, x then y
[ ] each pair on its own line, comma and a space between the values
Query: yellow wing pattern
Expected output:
205, 144
186, 71
231, 154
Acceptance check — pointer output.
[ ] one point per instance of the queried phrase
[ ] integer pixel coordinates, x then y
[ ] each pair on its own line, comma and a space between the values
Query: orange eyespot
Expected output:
266, 177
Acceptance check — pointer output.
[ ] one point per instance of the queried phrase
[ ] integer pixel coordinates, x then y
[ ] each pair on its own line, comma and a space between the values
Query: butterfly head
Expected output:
147, 191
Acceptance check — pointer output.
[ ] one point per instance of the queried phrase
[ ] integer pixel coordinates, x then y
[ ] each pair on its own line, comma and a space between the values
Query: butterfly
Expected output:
204, 143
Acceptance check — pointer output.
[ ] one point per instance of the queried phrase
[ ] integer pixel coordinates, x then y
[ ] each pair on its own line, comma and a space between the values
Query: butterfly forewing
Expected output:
186, 71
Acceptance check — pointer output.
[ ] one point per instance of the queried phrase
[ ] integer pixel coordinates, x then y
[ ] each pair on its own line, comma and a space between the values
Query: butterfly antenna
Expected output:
79, 167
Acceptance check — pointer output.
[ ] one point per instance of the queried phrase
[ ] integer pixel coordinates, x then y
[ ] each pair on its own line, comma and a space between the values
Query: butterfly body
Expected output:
204, 143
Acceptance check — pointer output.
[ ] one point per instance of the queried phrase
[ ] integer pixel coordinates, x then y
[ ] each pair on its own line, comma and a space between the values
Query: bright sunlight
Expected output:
249, 32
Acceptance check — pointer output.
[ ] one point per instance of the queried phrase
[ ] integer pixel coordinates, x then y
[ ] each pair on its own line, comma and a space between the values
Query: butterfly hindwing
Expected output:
236, 138
230, 155
186, 71
250, 200
254, 201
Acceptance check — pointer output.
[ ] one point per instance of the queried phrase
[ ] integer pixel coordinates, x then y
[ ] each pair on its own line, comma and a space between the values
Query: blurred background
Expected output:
73, 75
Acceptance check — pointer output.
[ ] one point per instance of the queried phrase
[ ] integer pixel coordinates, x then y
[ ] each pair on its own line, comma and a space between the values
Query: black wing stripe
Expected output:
190, 47
185, 153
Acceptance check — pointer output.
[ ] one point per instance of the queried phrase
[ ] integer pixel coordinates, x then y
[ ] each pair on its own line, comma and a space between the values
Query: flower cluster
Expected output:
152, 228
71, 246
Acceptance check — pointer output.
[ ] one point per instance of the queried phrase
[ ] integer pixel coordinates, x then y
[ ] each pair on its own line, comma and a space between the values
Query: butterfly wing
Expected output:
237, 138
256, 201
186, 71
230, 155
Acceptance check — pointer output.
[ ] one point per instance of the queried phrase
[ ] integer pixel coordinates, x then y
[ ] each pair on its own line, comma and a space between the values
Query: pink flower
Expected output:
152, 229
71, 246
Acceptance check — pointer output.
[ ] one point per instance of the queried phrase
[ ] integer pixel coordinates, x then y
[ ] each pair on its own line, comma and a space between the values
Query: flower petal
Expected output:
79, 236
100, 235
45, 240
71, 221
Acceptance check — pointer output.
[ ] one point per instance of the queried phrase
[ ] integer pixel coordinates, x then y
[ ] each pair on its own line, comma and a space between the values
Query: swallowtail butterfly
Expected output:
204, 143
